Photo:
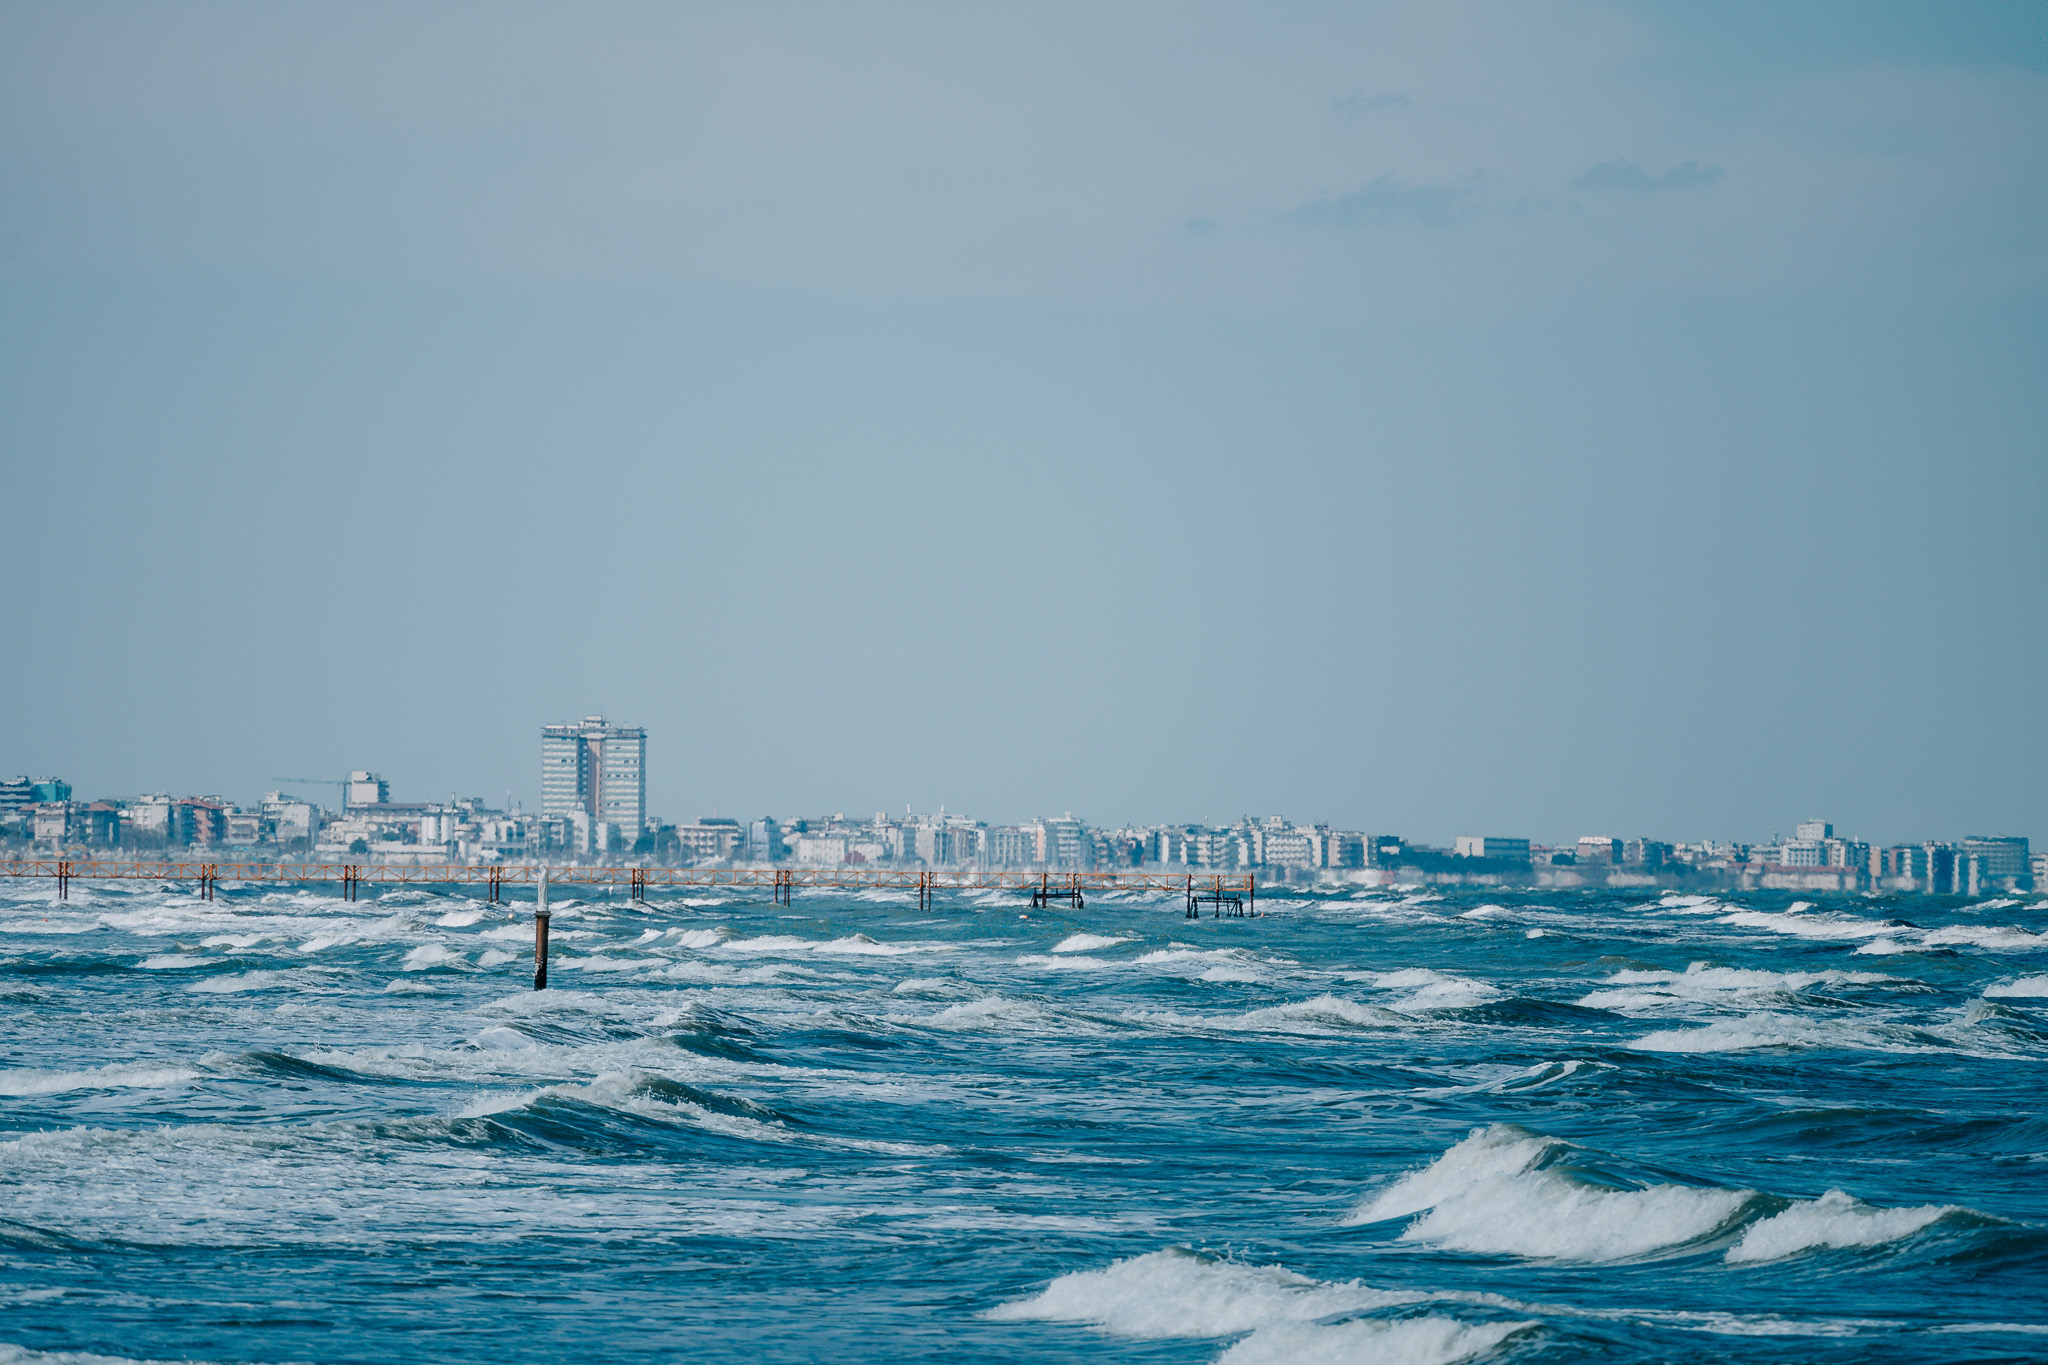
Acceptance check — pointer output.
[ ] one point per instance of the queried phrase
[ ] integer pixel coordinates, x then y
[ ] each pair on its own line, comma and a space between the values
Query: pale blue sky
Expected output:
1527, 419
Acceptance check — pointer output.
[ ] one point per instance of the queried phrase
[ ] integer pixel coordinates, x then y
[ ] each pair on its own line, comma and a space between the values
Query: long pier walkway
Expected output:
1238, 892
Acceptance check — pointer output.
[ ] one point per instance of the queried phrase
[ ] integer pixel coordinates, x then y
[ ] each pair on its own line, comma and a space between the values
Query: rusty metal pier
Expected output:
1235, 890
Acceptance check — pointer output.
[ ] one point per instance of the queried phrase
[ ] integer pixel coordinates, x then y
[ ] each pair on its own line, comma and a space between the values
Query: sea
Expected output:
1385, 1124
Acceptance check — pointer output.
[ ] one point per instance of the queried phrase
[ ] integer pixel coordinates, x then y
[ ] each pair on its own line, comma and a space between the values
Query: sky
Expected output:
1532, 419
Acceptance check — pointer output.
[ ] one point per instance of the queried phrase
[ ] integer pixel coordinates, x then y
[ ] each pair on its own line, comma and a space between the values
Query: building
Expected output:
1997, 860
1491, 846
16, 795
1011, 846
714, 837
1598, 851
1648, 854
829, 849
1816, 830
764, 841
51, 822
1803, 852
598, 769
291, 821
1345, 849
147, 821
1067, 844
1289, 847
365, 789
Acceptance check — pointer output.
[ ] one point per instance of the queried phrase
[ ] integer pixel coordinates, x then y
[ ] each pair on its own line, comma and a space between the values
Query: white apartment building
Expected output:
599, 769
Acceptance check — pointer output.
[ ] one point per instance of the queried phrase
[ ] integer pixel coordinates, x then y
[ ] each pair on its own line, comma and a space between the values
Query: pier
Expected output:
1238, 891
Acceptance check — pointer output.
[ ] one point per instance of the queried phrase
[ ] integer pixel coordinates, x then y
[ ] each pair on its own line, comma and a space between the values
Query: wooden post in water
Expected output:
540, 936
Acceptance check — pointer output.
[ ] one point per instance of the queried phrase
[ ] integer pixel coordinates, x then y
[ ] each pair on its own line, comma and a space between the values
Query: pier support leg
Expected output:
540, 936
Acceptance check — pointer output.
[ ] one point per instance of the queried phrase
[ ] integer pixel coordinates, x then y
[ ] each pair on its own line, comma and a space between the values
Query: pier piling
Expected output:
540, 936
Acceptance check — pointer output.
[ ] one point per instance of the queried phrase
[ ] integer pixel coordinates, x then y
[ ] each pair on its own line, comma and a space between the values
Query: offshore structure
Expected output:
1238, 893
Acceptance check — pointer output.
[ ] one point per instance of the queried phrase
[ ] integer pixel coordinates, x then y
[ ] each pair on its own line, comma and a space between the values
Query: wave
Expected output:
990, 1011
1433, 990
1773, 1030
1700, 983
1835, 1220
1088, 943
115, 1076
1506, 1190
248, 981
1179, 1294
2025, 988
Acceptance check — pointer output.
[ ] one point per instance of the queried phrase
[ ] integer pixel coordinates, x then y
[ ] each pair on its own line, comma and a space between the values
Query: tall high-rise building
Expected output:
598, 769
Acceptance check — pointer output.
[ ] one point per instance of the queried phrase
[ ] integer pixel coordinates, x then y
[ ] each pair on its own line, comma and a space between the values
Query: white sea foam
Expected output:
432, 955
1808, 926
1433, 990
2026, 987
1087, 943
1835, 1220
991, 1011
245, 981
1174, 1294
1071, 962
1371, 1341
1505, 1191
1323, 1010
493, 957
1700, 983
1774, 1030
118, 1075
1993, 937
168, 962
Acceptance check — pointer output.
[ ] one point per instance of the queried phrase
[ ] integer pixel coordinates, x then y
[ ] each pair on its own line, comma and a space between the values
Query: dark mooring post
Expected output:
540, 936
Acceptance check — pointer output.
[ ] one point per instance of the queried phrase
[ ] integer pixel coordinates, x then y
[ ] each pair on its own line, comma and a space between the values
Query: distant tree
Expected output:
359, 846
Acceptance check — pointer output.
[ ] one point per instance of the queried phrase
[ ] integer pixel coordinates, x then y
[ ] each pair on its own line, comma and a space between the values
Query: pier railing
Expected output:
1238, 891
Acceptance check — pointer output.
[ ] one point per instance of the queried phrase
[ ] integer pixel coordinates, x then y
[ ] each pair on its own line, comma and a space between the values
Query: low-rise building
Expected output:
1491, 846
1597, 850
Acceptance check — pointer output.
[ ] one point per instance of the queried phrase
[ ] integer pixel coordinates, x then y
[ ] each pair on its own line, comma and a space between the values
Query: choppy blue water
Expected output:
1375, 1126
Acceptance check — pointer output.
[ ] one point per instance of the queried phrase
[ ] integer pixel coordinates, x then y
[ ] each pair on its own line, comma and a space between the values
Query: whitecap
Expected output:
2026, 987
1779, 1031
115, 1076
168, 962
1087, 943
1175, 1294
1835, 1220
1073, 962
244, 981
431, 955
1325, 1010
1995, 937
1428, 1340
1501, 1192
